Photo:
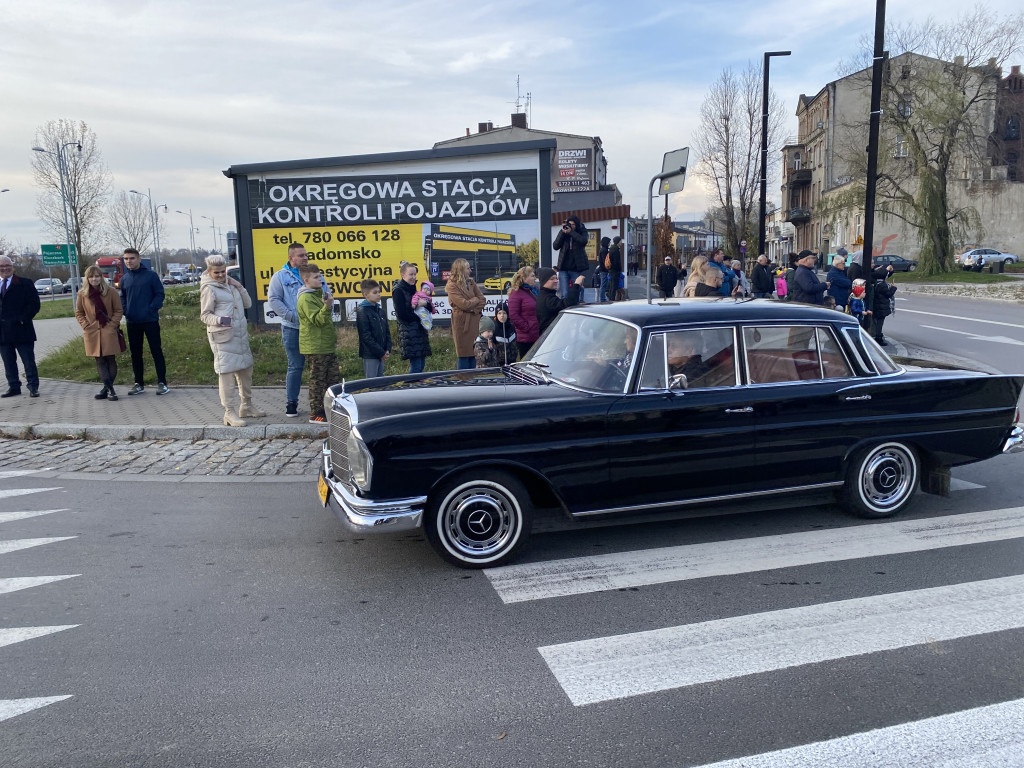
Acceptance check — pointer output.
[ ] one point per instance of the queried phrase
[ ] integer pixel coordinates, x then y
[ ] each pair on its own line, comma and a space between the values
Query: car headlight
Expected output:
360, 463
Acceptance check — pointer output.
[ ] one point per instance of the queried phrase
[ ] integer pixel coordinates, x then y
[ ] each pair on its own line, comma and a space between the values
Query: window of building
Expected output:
796, 161
901, 150
1011, 158
903, 107
1012, 128
856, 225
905, 72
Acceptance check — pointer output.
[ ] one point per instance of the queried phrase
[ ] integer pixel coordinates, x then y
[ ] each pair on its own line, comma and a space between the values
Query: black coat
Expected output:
616, 258
882, 302
761, 279
549, 304
19, 305
572, 248
667, 278
374, 333
412, 336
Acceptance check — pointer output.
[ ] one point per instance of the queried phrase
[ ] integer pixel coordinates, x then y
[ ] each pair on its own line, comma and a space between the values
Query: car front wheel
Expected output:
480, 520
881, 480
1008, 262
912, 267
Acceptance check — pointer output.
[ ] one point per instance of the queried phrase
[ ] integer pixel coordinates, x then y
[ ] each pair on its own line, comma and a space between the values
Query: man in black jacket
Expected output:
548, 302
614, 267
571, 244
19, 303
667, 278
762, 283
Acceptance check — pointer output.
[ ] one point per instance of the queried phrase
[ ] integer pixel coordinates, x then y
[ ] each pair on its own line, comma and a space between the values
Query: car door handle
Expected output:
748, 409
859, 397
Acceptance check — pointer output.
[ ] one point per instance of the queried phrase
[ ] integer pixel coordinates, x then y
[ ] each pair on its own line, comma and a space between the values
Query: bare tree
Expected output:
728, 143
87, 182
130, 221
938, 97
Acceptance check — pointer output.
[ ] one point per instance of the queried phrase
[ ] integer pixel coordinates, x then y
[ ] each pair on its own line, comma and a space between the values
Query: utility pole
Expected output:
878, 64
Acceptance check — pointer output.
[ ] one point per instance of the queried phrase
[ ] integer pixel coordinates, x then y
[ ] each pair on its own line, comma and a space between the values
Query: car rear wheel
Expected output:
480, 519
881, 480
912, 267
1007, 262
504, 288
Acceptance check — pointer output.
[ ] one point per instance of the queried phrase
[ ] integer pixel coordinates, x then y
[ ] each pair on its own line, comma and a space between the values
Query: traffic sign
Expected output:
56, 255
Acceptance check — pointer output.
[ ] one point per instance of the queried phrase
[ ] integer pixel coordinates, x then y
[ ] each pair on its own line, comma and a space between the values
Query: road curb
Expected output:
189, 432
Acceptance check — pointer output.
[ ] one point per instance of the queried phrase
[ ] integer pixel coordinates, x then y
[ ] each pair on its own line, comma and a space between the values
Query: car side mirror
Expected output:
678, 381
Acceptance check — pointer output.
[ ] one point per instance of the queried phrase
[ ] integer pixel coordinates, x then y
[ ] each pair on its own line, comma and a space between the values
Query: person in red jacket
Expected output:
522, 309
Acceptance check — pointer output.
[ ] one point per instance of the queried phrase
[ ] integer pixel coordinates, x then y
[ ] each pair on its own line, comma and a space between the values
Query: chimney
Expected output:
467, 131
519, 120
1015, 69
482, 127
959, 61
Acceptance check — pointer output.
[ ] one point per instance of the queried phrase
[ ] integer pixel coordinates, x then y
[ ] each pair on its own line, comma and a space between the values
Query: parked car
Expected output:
170, 280
899, 264
73, 285
635, 408
49, 285
501, 282
986, 255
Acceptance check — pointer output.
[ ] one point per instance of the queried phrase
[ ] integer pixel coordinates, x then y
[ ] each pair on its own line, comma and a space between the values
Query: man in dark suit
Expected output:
19, 303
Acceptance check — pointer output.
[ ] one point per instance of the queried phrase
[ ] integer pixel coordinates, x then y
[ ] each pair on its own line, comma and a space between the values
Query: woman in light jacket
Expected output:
522, 309
99, 312
222, 306
467, 306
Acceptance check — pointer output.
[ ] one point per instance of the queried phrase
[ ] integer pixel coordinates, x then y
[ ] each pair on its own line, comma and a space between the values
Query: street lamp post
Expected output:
156, 225
213, 226
191, 233
61, 172
764, 149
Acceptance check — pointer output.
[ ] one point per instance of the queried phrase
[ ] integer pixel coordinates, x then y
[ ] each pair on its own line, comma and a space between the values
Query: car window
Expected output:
690, 359
833, 362
588, 351
882, 362
778, 354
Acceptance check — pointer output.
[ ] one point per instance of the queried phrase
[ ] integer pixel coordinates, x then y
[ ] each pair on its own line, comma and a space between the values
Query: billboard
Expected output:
574, 170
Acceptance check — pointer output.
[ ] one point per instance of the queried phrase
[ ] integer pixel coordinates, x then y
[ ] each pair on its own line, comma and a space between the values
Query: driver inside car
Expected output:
684, 359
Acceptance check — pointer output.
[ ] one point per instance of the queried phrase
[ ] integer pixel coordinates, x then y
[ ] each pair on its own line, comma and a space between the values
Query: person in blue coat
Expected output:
807, 288
839, 283
142, 296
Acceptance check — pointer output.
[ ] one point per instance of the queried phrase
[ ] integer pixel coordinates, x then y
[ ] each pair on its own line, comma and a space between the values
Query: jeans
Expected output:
613, 285
27, 352
762, 295
417, 364
565, 279
372, 367
467, 363
296, 362
152, 333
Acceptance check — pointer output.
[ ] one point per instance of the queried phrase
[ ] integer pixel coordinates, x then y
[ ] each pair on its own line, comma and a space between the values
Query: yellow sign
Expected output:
345, 255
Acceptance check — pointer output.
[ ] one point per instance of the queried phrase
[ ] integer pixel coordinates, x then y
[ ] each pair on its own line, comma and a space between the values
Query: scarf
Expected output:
98, 307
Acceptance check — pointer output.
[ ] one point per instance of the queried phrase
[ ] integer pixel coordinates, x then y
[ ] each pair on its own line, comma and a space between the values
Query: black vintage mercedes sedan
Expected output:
633, 408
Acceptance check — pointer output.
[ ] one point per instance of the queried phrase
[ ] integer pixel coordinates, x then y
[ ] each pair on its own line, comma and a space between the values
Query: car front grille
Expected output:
337, 434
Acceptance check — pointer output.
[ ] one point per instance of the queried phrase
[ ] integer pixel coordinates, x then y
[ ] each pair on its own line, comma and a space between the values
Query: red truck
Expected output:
113, 268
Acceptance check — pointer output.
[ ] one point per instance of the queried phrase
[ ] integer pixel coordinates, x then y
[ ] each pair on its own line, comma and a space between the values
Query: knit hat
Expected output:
544, 274
502, 307
486, 324
842, 252
427, 286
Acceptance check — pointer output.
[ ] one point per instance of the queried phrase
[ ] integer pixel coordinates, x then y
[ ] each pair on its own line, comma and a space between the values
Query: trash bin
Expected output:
997, 266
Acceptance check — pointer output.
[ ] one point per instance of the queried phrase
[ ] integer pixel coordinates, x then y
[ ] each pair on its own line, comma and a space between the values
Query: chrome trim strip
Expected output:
705, 499
1015, 442
366, 516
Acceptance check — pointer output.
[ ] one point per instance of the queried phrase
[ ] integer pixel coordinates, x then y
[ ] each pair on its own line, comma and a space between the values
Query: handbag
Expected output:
120, 341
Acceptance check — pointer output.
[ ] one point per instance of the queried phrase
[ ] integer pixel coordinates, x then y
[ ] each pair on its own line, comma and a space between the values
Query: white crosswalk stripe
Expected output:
558, 578
9, 493
13, 707
13, 545
986, 736
9, 517
616, 667
26, 582
11, 635
9, 473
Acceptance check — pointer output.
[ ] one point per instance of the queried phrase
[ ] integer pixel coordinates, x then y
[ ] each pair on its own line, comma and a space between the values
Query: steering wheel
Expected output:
616, 376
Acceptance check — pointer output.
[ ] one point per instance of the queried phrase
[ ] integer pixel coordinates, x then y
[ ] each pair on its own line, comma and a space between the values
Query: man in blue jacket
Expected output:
142, 295
282, 295
807, 288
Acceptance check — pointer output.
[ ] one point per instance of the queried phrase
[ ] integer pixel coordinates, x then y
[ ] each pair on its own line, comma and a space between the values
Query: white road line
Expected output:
7, 493
956, 484
978, 336
986, 736
619, 666
957, 317
7, 517
25, 582
13, 707
13, 545
12, 635
20, 472
582, 575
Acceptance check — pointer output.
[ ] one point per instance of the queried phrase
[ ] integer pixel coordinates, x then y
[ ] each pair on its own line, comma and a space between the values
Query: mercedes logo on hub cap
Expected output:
887, 478
479, 521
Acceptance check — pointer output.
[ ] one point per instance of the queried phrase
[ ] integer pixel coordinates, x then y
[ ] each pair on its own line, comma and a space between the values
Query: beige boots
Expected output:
230, 420
249, 410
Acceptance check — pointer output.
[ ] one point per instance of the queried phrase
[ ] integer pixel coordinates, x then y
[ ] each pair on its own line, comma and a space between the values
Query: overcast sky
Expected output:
178, 91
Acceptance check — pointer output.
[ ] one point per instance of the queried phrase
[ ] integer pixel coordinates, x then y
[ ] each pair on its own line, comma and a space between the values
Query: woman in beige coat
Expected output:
98, 310
222, 306
467, 306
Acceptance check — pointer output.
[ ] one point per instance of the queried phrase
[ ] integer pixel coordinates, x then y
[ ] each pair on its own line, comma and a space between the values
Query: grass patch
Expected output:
972, 278
51, 308
190, 359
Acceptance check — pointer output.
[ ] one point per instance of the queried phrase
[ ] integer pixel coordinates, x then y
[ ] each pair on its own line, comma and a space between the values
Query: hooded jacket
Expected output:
316, 326
572, 248
374, 333
230, 343
549, 304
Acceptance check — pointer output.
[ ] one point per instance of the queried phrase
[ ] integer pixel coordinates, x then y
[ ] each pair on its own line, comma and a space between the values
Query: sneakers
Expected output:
318, 419
162, 388
33, 392
138, 389
292, 409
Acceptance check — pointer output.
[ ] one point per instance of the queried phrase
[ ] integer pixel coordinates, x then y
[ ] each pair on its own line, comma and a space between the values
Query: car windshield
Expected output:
587, 351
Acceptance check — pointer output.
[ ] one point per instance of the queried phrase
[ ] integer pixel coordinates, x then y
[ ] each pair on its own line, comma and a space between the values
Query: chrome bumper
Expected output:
1015, 442
366, 516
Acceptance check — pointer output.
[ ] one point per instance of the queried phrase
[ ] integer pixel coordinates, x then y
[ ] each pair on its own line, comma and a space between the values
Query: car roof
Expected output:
713, 310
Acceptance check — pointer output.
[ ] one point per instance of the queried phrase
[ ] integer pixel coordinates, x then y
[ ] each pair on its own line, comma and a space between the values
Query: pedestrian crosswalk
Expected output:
14, 707
620, 668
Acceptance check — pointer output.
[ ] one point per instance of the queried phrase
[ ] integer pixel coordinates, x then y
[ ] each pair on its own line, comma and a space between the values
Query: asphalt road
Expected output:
236, 625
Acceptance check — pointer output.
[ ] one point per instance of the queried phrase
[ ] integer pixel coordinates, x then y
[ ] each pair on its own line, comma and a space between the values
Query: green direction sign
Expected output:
56, 255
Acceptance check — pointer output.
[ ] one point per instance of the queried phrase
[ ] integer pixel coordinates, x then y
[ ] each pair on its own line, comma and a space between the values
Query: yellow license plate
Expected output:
322, 489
